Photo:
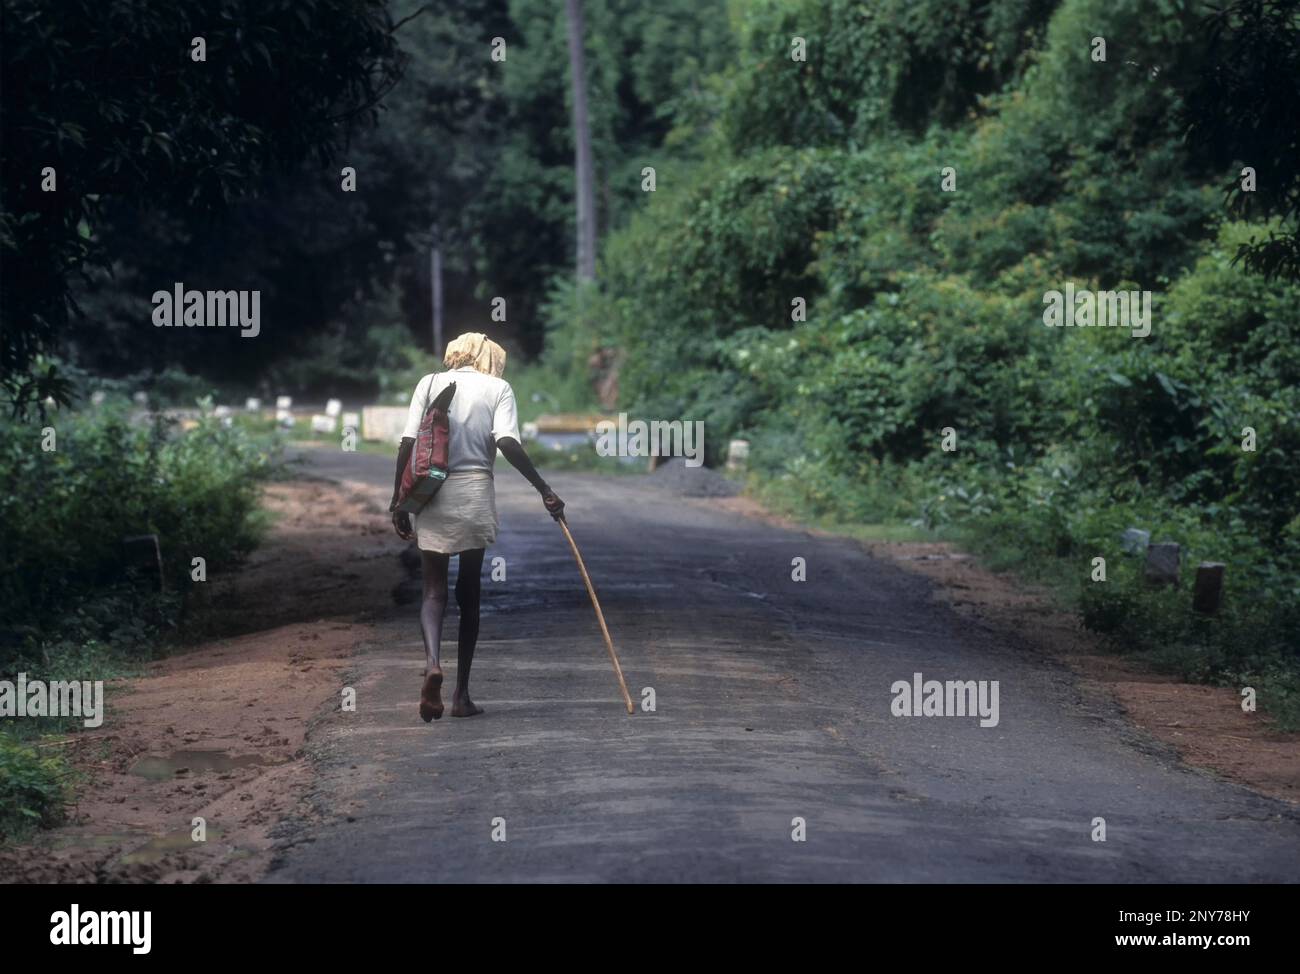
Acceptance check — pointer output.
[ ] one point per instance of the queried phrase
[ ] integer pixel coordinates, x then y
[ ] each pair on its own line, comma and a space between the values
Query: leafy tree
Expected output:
109, 96
1242, 110
644, 62
868, 68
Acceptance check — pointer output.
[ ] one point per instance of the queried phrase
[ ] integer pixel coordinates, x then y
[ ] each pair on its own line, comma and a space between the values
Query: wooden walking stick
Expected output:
600, 616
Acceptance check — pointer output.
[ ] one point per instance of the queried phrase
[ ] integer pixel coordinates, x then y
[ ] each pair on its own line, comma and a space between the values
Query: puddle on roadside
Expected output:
157, 767
102, 840
157, 849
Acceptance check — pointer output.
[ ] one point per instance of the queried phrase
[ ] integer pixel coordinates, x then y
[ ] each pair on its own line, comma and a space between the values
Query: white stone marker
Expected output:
383, 423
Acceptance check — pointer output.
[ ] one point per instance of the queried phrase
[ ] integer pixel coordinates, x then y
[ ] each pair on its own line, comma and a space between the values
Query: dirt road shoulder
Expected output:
216, 732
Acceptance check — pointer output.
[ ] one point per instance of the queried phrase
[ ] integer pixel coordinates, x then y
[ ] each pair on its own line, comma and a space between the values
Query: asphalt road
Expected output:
773, 703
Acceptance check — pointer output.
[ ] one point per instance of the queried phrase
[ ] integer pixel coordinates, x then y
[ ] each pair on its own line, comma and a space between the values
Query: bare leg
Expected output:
468, 590
433, 608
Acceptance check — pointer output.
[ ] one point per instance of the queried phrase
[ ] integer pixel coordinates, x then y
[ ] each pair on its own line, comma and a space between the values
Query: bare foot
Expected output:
464, 707
431, 696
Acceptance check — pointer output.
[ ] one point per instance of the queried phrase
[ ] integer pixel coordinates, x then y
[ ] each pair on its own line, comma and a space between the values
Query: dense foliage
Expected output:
33, 788
65, 512
109, 105
825, 182
227, 173
74, 606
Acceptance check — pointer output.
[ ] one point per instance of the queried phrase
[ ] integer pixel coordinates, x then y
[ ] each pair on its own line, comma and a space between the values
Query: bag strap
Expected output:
443, 399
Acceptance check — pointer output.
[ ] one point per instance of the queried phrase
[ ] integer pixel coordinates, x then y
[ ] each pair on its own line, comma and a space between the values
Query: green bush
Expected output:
64, 514
33, 788
924, 307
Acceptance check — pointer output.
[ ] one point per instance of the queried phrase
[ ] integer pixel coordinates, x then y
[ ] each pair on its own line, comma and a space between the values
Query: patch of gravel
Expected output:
675, 476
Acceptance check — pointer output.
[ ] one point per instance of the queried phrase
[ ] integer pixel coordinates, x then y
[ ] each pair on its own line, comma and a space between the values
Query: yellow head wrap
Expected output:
476, 349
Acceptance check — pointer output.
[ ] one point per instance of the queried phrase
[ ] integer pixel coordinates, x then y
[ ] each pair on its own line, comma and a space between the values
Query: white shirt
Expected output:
482, 411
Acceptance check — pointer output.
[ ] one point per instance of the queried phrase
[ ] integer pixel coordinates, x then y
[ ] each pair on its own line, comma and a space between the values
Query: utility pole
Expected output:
583, 166
435, 278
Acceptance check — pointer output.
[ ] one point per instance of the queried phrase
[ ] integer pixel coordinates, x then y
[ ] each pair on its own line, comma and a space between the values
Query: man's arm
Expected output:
401, 520
403, 458
514, 451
